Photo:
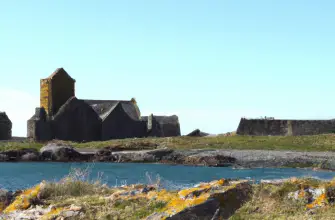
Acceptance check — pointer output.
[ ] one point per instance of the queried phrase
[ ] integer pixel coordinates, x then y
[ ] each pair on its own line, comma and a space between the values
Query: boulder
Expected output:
221, 205
132, 156
60, 152
212, 201
14, 155
5, 198
212, 160
160, 153
3, 157
105, 154
30, 157
197, 133
198, 158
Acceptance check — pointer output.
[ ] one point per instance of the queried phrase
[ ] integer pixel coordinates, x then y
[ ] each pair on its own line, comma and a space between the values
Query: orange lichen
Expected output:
23, 201
178, 204
221, 181
183, 199
162, 195
319, 201
302, 193
178, 201
204, 186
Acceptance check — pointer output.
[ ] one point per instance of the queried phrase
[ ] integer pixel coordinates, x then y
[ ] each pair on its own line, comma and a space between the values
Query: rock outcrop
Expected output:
214, 200
219, 158
60, 152
219, 199
19, 155
197, 133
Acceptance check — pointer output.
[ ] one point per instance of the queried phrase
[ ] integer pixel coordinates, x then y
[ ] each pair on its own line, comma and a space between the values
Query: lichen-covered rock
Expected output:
205, 200
315, 197
5, 199
214, 199
219, 198
4, 157
25, 199
47, 213
16, 155
62, 212
30, 157
132, 156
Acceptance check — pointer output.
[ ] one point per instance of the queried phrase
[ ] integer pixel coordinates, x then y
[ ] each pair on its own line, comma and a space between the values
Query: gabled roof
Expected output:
73, 103
60, 71
4, 117
104, 107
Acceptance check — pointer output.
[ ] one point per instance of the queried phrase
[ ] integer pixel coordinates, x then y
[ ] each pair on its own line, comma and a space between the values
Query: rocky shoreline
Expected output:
200, 157
218, 199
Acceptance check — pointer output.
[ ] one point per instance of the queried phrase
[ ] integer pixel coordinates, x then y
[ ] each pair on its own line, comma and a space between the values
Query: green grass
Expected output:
272, 202
15, 145
324, 142
75, 184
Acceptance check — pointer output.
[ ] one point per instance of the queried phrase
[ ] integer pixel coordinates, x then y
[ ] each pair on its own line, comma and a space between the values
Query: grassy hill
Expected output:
324, 142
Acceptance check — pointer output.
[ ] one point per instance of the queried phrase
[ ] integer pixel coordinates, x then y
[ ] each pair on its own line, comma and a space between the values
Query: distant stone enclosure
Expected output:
5, 127
265, 127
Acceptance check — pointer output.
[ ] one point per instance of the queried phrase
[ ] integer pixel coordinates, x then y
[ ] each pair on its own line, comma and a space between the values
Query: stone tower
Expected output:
56, 90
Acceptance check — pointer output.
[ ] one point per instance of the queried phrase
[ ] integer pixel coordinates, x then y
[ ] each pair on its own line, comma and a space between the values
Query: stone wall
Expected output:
118, 125
76, 121
55, 91
45, 95
261, 127
5, 127
62, 88
38, 127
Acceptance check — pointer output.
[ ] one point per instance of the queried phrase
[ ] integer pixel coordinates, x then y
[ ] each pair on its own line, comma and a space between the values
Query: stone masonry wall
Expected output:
262, 127
62, 88
45, 95
5, 127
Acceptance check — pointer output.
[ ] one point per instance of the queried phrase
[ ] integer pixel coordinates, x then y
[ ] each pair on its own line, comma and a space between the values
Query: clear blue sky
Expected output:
210, 62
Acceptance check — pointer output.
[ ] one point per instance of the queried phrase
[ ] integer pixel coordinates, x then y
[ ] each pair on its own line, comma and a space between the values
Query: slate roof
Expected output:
104, 107
4, 117
58, 71
173, 119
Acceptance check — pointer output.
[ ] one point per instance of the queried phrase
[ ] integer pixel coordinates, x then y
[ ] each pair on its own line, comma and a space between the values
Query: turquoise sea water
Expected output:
22, 175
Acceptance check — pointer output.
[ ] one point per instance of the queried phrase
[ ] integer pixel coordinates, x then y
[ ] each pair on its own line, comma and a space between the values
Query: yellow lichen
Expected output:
221, 181
185, 192
23, 201
204, 186
2, 206
177, 204
52, 214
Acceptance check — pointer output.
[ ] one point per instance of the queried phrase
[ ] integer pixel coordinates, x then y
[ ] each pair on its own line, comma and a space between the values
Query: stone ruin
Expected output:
5, 127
